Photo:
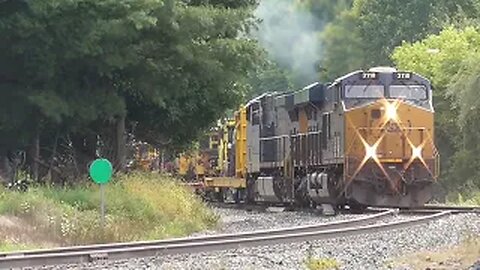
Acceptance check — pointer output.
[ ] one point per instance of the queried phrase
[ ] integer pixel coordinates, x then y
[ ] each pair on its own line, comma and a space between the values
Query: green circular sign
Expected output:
101, 171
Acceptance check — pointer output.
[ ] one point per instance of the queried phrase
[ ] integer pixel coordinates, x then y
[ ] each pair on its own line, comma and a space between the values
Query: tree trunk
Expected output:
49, 177
120, 144
35, 154
85, 148
5, 168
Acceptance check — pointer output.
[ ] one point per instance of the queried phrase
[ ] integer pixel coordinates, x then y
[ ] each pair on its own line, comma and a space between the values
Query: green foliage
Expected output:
366, 34
342, 46
139, 206
326, 10
73, 67
269, 77
398, 21
469, 198
449, 60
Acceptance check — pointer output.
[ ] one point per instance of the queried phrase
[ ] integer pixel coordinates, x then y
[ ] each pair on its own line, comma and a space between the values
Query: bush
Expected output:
139, 206
471, 198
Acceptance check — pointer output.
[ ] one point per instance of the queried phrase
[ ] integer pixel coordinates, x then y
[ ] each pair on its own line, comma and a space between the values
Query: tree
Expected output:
269, 77
326, 10
449, 59
342, 46
93, 67
365, 35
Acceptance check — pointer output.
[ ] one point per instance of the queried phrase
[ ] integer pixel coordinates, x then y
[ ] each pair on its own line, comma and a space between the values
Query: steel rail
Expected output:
295, 229
201, 244
452, 208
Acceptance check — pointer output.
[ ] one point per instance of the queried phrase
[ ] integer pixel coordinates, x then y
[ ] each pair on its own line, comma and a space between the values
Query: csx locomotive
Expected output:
367, 139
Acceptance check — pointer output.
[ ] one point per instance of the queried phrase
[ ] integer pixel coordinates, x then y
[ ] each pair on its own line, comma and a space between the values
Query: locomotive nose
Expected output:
389, 139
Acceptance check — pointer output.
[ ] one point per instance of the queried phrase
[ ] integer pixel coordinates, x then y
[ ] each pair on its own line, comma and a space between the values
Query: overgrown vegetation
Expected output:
140, 206
469, 198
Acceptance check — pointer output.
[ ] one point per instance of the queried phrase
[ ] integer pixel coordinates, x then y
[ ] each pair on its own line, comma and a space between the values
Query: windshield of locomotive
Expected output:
411, 92
364, 91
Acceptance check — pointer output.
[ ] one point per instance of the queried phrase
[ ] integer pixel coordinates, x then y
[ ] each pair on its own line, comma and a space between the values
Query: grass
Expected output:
462, 256
473, 198
8, 246
313, 263
139, 206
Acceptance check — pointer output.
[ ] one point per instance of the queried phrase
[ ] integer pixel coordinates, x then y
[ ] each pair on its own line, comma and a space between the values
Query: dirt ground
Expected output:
16, 232
459, 257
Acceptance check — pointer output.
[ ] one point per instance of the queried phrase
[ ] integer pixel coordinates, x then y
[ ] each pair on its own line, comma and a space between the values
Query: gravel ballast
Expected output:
368, 251
235, 220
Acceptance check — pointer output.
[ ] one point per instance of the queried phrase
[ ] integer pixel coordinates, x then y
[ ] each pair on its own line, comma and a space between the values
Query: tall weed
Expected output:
472, 198
139, 206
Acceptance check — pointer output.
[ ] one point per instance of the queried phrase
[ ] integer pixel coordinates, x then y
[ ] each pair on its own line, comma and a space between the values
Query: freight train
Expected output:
366, 139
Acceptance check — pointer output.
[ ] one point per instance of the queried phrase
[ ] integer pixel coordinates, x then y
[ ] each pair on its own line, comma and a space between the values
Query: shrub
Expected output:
471, 198
139, 206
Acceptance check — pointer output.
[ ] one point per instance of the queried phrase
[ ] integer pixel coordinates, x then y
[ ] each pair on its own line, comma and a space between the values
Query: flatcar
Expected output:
366, 139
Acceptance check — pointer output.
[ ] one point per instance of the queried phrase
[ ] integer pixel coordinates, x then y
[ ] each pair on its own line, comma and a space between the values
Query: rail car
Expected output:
366, 139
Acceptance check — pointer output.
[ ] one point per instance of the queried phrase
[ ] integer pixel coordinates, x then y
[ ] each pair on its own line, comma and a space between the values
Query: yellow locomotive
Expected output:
366, 139
145, 157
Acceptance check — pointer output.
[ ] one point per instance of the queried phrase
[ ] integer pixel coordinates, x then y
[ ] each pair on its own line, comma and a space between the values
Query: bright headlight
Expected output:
391, 111
416, 152
370, 151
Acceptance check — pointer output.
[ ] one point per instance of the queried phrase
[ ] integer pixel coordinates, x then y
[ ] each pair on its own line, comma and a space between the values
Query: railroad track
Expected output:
118, 251
452, 208
426, 209
288, 208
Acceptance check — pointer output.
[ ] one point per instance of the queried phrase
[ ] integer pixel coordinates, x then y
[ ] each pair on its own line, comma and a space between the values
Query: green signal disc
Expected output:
101, 171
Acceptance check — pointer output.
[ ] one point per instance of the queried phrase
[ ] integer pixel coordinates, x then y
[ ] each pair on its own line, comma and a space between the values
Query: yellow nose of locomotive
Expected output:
392, 141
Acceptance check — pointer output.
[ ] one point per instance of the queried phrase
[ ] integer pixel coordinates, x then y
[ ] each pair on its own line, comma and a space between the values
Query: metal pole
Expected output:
102, 206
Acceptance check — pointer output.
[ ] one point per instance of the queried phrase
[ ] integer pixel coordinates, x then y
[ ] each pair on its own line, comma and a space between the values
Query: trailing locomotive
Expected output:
364, 140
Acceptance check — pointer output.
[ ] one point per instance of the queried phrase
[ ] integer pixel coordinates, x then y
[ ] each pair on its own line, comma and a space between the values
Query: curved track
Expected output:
117, 251
452, 208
